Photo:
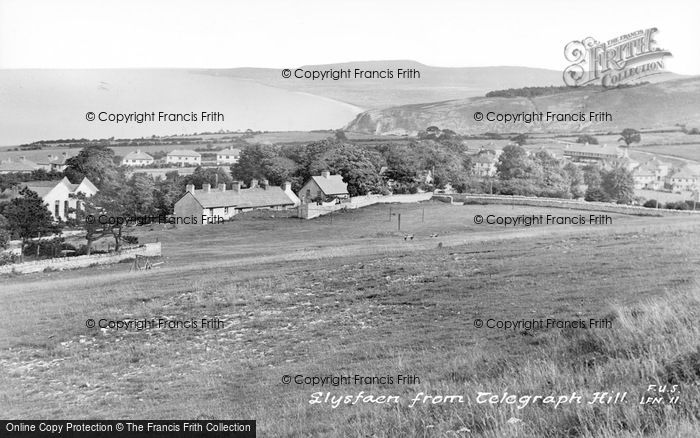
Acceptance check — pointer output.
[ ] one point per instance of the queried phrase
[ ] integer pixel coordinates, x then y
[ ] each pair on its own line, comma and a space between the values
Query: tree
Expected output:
104, 215
27, 217
630, 136
587, 138
356, 165
618, 183
514, 163
4, 232
95, 163
519, 139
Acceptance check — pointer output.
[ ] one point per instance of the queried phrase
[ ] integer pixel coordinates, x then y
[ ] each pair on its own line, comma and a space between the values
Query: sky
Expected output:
287, 34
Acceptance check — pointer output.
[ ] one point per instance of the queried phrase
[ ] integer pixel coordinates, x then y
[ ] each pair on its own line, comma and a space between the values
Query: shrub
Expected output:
652, 203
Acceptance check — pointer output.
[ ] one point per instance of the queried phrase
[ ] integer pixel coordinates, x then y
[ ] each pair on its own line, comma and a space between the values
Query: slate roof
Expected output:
590, 149
247, 198
684, 173
137, 155
184, 153
333, 185
17, 166
229, 151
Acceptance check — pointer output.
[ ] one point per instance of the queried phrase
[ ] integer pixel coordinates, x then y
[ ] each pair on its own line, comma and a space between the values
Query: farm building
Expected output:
57, 195
137, 158
592, 153
184, 157
228, 156
210, 205
326, 187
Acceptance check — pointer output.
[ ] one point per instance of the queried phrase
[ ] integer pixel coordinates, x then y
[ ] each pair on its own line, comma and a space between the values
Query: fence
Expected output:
564, 203
59, 264
310, 211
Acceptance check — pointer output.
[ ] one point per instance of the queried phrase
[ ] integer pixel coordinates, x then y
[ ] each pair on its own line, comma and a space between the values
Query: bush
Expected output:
680, 205
652, 203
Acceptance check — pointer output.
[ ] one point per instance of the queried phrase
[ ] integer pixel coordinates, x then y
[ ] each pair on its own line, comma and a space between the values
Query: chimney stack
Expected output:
222, 187
264, 184
287, 186
326, 174
236, 186
206, 187
190, 188
253, 183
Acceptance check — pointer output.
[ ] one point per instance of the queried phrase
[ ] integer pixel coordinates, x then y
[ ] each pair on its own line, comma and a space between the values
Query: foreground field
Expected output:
351, 297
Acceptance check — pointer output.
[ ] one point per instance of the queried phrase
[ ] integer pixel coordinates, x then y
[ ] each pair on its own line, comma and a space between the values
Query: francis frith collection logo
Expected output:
627, 58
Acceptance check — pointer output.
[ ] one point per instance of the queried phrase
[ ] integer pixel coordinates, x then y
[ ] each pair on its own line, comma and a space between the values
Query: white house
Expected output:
228, 156
57, 195
324, 187
485, 161
54, 162
137, 158
210, 205
684, 180
184, 157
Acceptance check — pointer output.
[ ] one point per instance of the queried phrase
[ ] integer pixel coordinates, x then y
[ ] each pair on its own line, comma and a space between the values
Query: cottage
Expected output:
228, 156
211, 205
650, 175
58, 196
326, 187
137, 158
54, 162
184, 157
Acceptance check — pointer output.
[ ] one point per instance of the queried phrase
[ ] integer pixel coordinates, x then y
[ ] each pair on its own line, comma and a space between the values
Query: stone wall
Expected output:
61, 263
310, 211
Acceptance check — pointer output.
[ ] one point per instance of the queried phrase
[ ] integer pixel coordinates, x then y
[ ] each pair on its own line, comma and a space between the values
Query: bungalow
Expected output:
228, 156
57, 195
212, 205
19, 166
184, 157
137, 159
325, 187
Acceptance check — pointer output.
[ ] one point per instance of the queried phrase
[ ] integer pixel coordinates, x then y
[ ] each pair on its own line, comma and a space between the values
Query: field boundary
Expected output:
563, 203
61, 263
310, 211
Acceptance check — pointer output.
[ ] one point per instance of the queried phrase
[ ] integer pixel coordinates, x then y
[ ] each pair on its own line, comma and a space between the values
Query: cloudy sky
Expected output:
282, 33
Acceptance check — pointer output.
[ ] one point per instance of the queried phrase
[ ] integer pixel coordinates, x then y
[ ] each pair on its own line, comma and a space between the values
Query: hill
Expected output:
655, 105
434, 84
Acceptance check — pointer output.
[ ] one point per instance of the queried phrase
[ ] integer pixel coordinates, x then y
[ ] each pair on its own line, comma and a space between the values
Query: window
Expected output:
56, 208
65, 208
225, 210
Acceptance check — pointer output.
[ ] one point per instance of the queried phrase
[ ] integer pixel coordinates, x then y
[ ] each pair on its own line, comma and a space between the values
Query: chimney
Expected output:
190, 188
206, 187
222, 187
138, 151
287, 186
264, 183
326, 174
253, 183
22, 158
236, 186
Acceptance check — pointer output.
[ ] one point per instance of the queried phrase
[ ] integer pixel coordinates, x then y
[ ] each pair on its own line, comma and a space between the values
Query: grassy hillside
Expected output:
317, 298
658, 105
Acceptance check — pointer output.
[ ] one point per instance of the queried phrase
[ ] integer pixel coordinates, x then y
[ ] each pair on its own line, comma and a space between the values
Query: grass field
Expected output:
351, 296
